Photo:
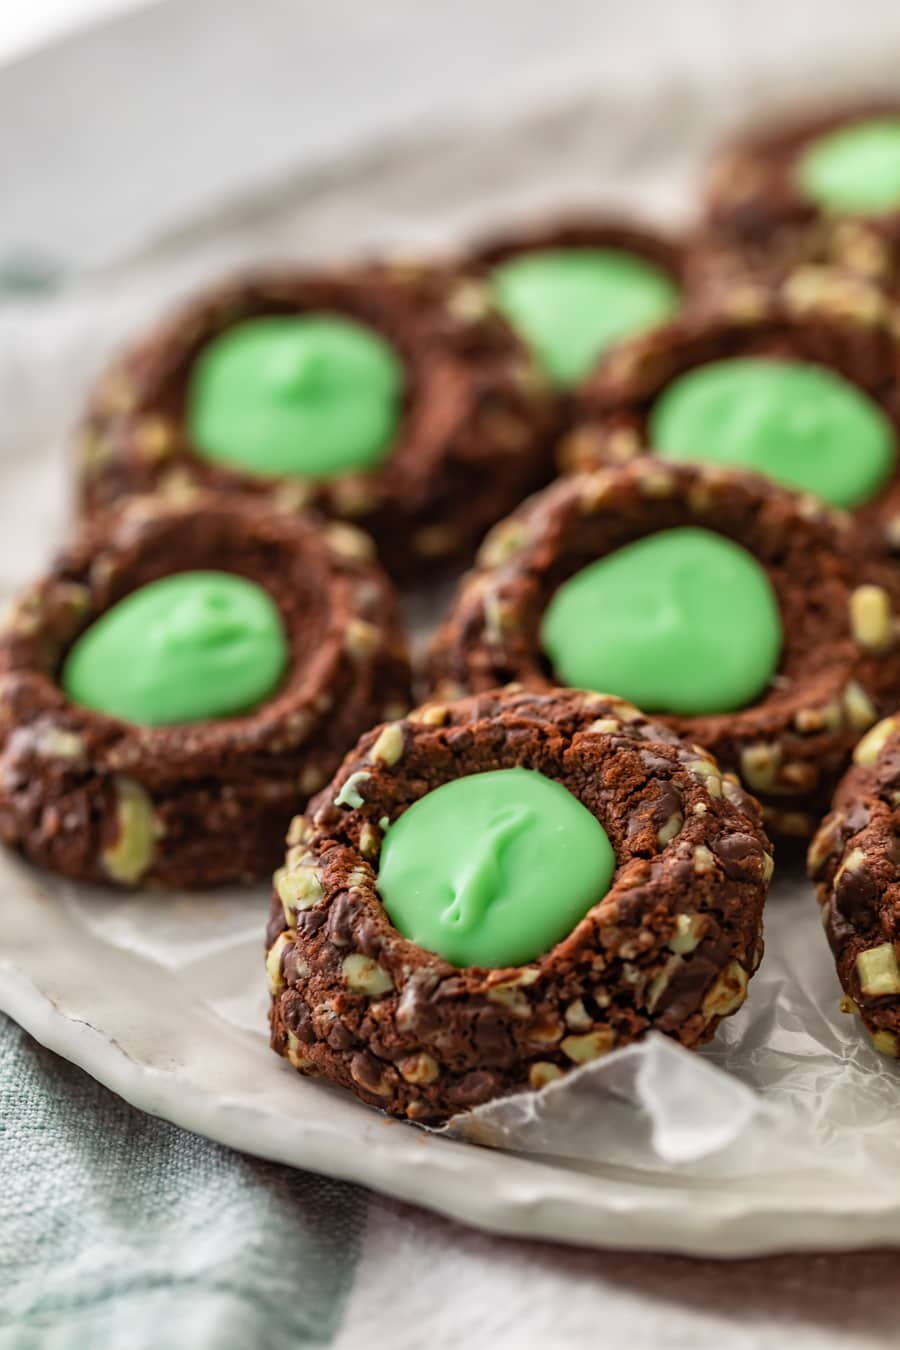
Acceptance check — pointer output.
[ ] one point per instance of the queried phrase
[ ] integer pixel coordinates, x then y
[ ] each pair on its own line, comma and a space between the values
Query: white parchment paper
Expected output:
789, 1085
790, 1104
790, 1091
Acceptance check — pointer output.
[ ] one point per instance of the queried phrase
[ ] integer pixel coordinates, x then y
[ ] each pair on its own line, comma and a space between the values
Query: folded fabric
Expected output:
120, 1230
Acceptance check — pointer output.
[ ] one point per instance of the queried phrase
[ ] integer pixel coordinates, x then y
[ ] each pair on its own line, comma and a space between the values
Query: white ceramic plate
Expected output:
161, 998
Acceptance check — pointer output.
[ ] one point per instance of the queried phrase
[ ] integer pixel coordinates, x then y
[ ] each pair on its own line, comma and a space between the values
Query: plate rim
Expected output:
521, 1212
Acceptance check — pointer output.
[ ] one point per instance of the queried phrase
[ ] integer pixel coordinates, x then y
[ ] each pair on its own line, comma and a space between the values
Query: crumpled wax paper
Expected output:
790, 1084
789, 1088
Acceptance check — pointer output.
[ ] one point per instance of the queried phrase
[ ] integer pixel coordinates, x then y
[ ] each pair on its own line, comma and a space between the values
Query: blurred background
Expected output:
120, 121
148, 147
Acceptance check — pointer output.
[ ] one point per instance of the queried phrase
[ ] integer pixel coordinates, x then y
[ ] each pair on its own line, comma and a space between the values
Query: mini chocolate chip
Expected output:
366, 1070
277, 924
309, 921
416, 1013
677, 873
632, 905
477, 1086
856, 895
297, 1017
367, 936
667, 802
655, 763
339, 1038
340, 919
684, 992
740, 798
740, 856
837, 929
459, 740
655, 808
293, 966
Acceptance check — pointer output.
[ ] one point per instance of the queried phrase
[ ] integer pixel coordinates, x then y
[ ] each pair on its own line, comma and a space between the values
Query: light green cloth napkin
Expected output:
121, 1232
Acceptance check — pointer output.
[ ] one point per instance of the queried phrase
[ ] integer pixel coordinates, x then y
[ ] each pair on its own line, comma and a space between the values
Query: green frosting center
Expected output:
493, 869
684, 621
310, 394
187, 648
570, 304
855, 169
801, 424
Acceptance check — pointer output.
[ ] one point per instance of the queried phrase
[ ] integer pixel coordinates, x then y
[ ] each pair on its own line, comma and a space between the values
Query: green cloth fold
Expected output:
119, 1230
